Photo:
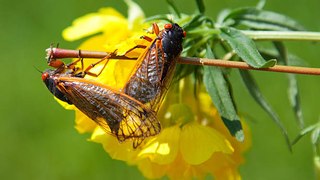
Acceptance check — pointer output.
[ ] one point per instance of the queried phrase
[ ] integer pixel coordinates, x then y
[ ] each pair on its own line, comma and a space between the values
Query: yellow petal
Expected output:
128, 41
95, 43
120, 151
198, 143
106, 18
84, 123
205, 103
225, 169
65, 104
162, 149
123, 70
151, 170
180, 169
106, 77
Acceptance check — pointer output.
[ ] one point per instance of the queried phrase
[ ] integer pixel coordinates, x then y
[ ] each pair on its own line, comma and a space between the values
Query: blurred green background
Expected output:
37, 136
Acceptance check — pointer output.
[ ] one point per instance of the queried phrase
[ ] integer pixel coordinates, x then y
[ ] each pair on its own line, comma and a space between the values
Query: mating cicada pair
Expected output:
129, 113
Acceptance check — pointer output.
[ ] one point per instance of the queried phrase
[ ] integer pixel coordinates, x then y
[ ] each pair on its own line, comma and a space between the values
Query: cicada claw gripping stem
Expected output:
131, 113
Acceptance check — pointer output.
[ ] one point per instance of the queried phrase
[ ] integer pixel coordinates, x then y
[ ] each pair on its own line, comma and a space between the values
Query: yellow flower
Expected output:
193, 142
186, 148
110, 31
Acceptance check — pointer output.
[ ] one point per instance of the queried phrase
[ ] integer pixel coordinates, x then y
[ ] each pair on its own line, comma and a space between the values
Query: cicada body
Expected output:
152, 77
117, 113
128, 113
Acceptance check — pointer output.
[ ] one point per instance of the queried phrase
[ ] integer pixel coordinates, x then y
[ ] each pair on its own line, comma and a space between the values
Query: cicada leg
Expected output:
87, 70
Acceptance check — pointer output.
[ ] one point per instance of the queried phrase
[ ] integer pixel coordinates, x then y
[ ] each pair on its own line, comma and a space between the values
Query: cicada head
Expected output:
171, 39
48, 77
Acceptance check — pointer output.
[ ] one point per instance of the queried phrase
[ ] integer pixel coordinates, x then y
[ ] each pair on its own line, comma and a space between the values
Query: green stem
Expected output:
283, 35
203, 31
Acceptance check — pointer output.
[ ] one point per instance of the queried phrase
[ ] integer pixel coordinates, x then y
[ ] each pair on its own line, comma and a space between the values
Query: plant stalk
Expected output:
243, 65
283, 35
57, 53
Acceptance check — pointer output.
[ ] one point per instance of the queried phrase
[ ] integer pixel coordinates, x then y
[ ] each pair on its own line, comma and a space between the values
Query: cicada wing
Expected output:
164, 85
151, 77
115, 112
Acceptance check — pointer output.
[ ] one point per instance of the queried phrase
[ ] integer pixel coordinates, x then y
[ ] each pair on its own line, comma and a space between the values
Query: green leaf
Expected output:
258, 97
195, 22
315, 136
200, 6
173, 8
294, 60
305, 131
294, 97
183, 71
181, 113
293, 91
245, 48
263, 20
261, 4
158, 17
221, 18
218, 89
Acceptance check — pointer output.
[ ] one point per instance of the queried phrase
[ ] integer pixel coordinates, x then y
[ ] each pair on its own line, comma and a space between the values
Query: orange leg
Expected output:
87, 70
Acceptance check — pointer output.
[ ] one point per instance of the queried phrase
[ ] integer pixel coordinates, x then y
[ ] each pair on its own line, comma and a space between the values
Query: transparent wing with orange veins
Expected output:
151, 77
165, 79
117, 113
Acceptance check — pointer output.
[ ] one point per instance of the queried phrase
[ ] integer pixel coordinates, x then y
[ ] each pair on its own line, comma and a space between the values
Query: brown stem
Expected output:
243, 65
57, 53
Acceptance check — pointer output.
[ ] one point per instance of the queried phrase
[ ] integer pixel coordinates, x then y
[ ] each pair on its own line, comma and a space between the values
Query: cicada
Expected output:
128, 113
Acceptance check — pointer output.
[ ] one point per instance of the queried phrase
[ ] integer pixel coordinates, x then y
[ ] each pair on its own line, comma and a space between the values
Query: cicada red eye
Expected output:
168, 26
184, 33
44, 76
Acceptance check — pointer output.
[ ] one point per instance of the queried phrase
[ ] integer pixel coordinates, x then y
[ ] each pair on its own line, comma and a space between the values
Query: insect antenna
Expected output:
37, 69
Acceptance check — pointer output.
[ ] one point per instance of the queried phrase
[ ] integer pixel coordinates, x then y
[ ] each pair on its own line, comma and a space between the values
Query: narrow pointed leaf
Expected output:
316, 140
157, 18
200, 5
195, 22
261, 4
218, 89
222, 17
294, 60
305, 131
293, 90
261, 19
183, 71
315, 136
245, 48
294, 97
258, 97
173, 8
